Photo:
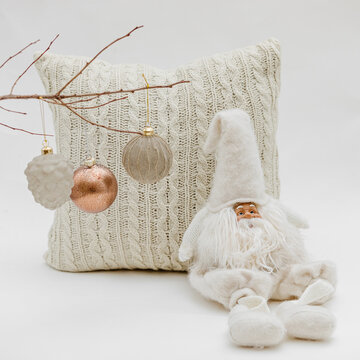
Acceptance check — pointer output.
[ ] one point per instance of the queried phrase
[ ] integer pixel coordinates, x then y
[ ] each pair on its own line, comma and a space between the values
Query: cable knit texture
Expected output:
144, 226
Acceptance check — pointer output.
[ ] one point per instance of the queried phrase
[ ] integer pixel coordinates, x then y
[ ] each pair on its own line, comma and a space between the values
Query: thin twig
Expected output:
100, 52
26, 131
13, 111
97, 106
56, 101
83, 100
52, 41
103, 126
53, 102
86, 107
19, 52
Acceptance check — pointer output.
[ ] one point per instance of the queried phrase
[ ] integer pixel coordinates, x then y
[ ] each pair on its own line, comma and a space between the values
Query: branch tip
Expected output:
52, 41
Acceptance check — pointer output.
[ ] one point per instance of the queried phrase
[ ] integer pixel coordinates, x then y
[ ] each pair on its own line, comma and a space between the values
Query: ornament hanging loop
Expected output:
147, 101
42, 115
46, 149
148, 130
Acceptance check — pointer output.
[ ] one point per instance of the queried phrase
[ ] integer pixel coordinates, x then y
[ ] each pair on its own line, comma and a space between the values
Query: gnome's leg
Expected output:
226, 286
312, 284
245, 293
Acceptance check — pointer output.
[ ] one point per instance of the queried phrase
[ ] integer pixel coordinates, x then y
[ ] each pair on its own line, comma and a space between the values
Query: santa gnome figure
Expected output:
246, 247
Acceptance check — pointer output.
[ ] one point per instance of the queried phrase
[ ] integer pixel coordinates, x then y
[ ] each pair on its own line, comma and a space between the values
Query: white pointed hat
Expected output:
238, 174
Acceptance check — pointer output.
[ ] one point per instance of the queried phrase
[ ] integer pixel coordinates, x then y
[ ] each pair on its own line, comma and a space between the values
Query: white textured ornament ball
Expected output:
147, 158
50, 179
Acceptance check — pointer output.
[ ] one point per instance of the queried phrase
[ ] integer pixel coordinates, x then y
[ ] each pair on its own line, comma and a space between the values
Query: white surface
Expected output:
45, 314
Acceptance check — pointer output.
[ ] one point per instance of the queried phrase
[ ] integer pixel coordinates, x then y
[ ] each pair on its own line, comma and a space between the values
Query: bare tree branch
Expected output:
13, 111
26, 131
100, 125
94, 95
19, 52
12, 88
62, 99
100, 52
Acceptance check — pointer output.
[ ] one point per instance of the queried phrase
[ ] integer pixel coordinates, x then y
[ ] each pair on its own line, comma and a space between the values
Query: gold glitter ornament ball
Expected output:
147, 158
95, 187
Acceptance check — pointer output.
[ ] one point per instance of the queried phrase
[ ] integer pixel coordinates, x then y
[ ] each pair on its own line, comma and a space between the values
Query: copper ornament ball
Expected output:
95, 188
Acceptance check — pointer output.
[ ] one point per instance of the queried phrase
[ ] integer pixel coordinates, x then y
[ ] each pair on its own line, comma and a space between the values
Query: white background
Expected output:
46, 314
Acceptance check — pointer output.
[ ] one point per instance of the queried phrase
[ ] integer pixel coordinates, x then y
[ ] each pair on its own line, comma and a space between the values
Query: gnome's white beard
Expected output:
255, 243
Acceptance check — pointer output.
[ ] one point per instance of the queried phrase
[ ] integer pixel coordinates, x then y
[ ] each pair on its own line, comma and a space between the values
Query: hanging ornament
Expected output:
95, 187
147, 158
50, 176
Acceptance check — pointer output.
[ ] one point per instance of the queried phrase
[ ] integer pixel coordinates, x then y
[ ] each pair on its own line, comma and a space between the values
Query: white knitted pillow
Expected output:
144, 226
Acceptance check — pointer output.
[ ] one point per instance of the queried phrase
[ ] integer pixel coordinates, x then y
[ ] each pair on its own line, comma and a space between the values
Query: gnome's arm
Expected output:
293, 217
186, 250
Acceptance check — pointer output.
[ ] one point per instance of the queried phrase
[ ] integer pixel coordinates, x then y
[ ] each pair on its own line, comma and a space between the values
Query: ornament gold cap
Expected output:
148, 130
89, 162
46, 149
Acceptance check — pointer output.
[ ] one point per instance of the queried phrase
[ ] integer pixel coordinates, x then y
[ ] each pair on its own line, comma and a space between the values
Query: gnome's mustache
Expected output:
249, 223
246, 224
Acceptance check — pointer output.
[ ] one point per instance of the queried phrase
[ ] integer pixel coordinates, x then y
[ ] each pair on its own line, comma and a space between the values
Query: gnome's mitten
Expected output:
305, 320
252, 324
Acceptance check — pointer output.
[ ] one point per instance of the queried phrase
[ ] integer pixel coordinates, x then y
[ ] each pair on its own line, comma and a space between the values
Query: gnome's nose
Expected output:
248, 215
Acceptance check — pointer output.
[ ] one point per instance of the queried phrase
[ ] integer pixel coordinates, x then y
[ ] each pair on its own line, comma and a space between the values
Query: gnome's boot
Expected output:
252, 324
305, 318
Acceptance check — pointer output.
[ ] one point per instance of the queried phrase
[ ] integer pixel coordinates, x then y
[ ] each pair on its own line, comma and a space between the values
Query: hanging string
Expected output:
147, 102
88, 155
42, 115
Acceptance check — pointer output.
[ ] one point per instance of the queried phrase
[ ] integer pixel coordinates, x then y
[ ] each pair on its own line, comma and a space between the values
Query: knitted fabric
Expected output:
144, 226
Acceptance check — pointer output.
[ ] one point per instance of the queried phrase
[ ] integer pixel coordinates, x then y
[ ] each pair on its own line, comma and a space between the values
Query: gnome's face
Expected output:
246, 211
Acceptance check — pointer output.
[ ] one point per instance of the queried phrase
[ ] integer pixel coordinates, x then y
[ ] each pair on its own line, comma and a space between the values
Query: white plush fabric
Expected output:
218, 240
292, 280
305, 318
226, 286
307, 322
252, 324
238, 174
301, 318
186, 251
250, 260
221, 276
145, 225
